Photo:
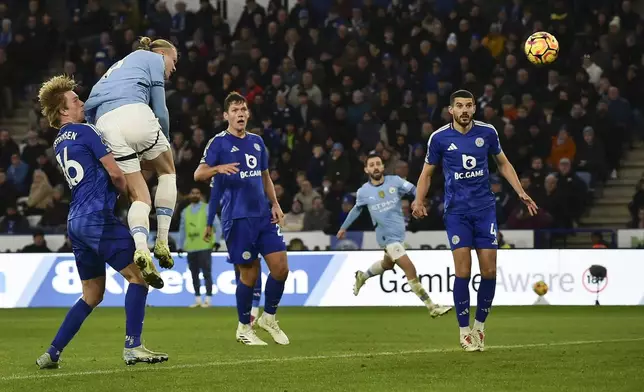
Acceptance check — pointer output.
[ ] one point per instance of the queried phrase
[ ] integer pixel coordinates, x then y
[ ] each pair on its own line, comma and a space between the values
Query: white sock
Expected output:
464, 330
375, 269
198, 299
254, 312
165, 200
138, 218
479, 326
418, 289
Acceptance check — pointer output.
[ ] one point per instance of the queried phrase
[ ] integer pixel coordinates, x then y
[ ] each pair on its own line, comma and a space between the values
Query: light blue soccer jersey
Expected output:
137, 78
384, 202
465, 165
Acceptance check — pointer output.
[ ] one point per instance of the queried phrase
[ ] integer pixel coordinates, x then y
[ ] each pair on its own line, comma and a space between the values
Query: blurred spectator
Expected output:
54, 216
563, 147
67, 246
41, 193
294, 219
318, 218
13, 223
38, 246
17, 174
306, 195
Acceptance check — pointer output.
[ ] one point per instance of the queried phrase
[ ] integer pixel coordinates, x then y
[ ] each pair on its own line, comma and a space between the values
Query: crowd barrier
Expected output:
326, 279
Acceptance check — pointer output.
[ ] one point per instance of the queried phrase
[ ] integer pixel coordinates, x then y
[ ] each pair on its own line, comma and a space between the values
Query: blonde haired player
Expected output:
97, 236
382, 195
128, 106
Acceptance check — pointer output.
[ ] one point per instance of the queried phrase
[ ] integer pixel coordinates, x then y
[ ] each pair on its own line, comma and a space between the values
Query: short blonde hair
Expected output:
146, 43
52, 97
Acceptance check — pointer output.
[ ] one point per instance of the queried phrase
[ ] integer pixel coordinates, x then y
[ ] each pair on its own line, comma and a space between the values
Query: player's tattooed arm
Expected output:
117, 176
507, 171
422, 188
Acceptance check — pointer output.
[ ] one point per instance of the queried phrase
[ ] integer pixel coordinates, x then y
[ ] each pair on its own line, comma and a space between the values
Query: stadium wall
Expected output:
326, 279
312, 239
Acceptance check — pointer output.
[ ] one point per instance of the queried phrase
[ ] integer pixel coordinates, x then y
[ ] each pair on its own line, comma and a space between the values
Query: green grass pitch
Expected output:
538, 348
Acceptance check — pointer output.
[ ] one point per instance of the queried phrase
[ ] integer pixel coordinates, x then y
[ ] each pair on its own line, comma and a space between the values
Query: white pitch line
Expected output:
160, 367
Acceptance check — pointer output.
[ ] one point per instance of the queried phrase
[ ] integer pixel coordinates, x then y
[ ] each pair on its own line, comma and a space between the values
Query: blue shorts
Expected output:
476, 230
99, 238
247, 238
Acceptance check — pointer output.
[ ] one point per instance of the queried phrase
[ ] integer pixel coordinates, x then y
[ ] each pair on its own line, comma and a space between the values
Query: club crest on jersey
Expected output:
246, 255
479, 142
392, 190
381, 194
456, 239
257, 147
251, 161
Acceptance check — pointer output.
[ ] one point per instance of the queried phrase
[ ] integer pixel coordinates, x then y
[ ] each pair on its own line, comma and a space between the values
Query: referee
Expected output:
193, 225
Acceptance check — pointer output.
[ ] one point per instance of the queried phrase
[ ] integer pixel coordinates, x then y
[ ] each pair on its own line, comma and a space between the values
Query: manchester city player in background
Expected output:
462, 147
382, 195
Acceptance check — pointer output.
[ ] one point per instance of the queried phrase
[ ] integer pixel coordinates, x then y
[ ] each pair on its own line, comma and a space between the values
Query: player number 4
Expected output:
492, 229
67, 165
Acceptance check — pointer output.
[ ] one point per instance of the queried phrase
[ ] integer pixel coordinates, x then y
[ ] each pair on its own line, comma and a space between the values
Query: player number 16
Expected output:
67, 165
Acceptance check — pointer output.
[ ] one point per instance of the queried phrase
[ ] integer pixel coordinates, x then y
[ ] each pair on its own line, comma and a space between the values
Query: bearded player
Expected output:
382, 195
237, 163
462, 147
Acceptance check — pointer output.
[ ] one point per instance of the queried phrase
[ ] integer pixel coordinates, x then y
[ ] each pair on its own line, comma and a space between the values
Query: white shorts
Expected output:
133, 133
395, 250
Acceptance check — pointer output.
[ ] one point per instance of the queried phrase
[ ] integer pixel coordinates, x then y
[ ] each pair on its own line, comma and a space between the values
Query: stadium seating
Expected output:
348, 80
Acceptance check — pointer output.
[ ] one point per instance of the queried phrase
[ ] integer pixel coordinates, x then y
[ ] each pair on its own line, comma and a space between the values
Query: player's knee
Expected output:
387, 264
280, 272
488, 272
93, 299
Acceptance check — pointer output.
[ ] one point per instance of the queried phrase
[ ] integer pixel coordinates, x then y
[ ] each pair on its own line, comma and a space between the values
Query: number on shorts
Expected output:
279, 230
67, 165
492, 229
113, 68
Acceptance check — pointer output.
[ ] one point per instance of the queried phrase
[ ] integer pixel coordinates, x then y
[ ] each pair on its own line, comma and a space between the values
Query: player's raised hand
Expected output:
418, 209
277, 214
527, 200
341, 234
228, 169
207, 235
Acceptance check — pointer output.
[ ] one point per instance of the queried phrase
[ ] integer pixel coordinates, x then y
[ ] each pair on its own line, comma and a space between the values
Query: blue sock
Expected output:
273, 294
462, 301
70, 326
134, 313
236, 276
257, 291
244, 295
484, 299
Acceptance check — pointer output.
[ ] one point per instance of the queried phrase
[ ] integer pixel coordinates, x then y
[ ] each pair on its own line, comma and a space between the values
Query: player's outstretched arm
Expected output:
116, 174
348, 221
424, 182
205, 172
158, 105
507, 171
269, 189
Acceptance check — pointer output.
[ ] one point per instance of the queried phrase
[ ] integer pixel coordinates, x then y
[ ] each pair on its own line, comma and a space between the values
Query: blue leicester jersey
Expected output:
126, 82
384, 202
78, 149
242, 194
465, 165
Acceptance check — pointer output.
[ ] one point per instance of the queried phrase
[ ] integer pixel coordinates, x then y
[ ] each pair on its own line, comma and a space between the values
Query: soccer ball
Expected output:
540, 288
541, 48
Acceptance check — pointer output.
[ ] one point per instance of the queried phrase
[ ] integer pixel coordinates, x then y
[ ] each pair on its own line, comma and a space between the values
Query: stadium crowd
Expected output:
327, 87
